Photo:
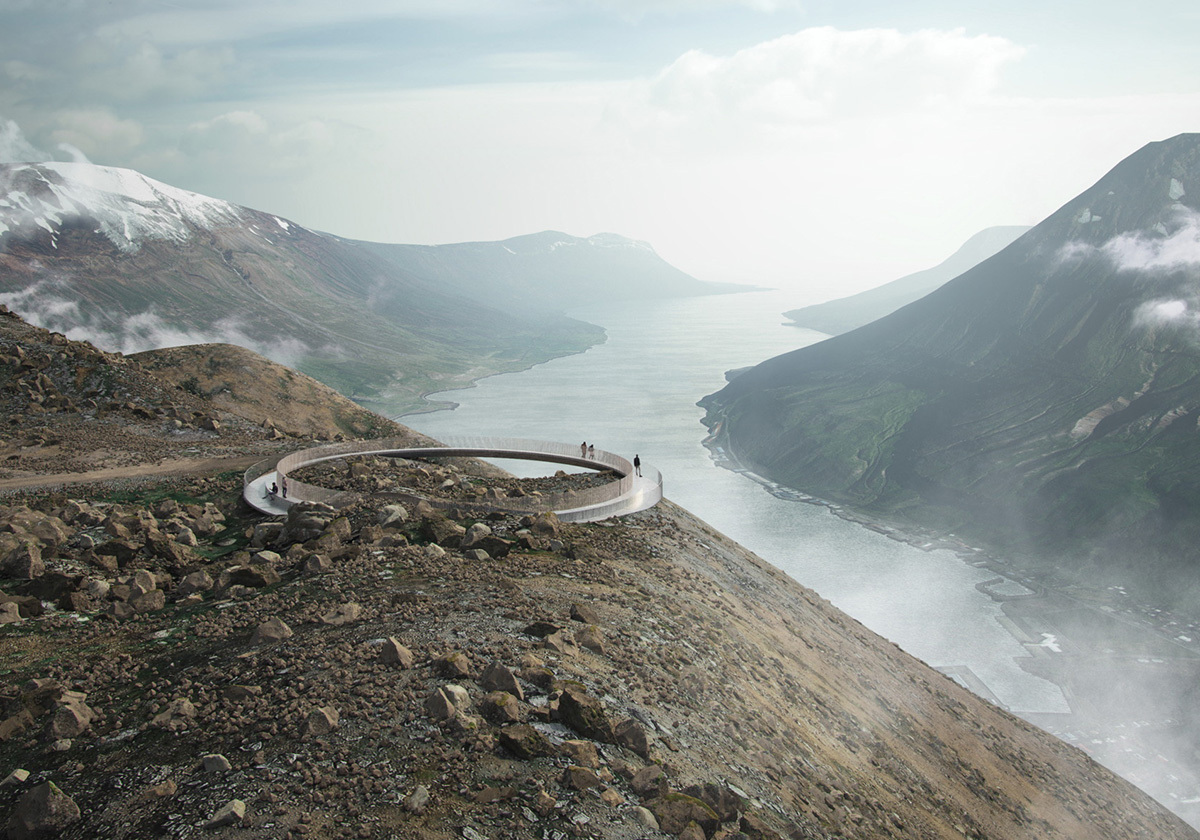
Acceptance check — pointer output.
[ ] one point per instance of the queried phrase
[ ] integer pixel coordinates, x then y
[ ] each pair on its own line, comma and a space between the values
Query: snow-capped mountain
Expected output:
131, 264
125, 206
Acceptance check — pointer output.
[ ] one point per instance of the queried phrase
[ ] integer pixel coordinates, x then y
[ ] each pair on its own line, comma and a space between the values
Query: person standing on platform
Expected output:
637, 466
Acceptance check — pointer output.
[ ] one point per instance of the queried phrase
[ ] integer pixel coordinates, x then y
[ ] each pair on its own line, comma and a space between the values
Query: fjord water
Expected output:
637, 393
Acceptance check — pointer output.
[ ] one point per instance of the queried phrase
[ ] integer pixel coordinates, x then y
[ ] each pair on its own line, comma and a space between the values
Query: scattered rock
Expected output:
342, 614
590, 638
632, 736
231, 813
582, 753
216, 763
559, 642
579, 778
720, 798
585, 714
391, 652
255, 576
645, 817
162, 790
675, 810
321, 721
305, 521
499, 677
270, 631
179, 714
194, 583
500, 707
44, 811
71, 718
649, 782
392, 516
584, 614
315, 564
16, 777
453, 665
439, 706
417, 801
525, 742
444, 532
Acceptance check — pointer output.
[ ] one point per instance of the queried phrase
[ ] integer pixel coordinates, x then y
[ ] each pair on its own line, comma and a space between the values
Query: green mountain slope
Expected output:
1046, 400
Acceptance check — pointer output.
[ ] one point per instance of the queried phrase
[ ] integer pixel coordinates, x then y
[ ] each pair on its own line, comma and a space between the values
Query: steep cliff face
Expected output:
1046, 399
360, 672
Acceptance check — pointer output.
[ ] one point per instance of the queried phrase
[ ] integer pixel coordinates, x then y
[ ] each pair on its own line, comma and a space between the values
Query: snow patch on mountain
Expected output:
615, 240
126, 207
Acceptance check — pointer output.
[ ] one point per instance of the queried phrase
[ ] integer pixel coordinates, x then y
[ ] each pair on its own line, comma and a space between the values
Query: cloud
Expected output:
1160, 251
1167, 248
144, 72
247, 141
47, 304
823, 74
14, 148
95, 133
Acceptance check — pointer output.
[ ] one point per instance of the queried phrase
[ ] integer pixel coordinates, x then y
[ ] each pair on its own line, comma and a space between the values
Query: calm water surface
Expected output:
637, 393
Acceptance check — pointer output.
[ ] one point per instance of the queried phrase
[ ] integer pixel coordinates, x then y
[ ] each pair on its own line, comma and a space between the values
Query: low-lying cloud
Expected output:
1169, 247
1179, 249
44, 304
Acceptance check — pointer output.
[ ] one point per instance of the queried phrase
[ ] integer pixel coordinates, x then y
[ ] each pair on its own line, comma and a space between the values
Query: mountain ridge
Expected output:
966, 407
844, 314
114, 256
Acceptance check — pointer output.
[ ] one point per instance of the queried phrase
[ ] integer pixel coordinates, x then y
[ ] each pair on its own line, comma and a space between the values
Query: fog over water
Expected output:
637, 393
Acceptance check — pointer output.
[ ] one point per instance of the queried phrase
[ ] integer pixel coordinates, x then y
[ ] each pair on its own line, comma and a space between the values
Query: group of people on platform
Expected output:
275, 489
587, 450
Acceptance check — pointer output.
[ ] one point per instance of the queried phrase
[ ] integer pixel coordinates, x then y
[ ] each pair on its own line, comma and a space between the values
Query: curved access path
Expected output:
628, 493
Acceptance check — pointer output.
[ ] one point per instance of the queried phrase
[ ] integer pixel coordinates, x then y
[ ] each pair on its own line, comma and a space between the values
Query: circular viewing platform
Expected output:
627, 493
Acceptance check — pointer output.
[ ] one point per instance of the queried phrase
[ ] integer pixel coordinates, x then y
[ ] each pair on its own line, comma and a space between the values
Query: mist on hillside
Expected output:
48, 304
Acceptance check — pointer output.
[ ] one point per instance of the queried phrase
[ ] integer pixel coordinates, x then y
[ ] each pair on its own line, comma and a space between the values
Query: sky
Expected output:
824, 146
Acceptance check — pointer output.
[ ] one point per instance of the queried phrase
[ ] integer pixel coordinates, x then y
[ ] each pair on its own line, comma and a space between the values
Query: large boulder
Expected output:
676, 810
306, 521
585, 714
525, 742
443, 531
43, 812
24, 561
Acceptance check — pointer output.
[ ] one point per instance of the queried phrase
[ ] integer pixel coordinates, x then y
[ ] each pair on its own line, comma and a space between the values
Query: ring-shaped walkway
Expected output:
628, 493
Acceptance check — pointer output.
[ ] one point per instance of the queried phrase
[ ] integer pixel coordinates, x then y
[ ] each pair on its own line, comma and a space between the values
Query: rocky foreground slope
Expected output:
176, 665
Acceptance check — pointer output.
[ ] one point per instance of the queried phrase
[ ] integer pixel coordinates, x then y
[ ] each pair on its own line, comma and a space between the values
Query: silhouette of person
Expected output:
273, 489
283, 485
591, 452
637, 465
583, 449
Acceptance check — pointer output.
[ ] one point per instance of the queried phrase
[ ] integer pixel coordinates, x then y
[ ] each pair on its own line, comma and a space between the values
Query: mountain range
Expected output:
844, 314
1046, 400
133, 264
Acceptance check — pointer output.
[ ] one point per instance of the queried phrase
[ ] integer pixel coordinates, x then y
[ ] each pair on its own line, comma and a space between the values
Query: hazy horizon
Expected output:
821, 147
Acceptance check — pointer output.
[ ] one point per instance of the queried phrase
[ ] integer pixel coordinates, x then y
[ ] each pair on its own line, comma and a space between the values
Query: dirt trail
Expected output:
176, 466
